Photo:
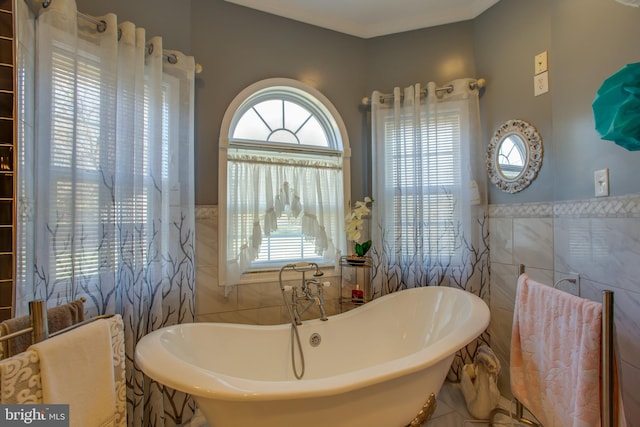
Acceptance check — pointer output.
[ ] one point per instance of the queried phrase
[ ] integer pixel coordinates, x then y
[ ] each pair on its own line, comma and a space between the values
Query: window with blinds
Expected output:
426, 172
283, 141
75, 164
83, 212
286, 174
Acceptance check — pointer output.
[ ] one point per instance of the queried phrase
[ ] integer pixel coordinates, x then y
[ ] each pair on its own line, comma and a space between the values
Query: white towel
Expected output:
76, 368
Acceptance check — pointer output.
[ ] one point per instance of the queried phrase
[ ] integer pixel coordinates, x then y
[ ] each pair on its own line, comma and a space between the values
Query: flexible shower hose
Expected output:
294, 332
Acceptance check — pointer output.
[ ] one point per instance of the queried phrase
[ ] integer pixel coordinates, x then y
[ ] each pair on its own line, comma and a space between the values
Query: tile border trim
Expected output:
627, 206
521, 210
607, 207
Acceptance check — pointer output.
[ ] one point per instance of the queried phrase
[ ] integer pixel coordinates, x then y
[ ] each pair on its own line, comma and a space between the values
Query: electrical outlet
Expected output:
541, 64
541, 83
601, 182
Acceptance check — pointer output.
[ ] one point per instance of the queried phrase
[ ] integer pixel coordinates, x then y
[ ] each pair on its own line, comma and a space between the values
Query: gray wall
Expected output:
438, 54
587, 41
507, 37
238, 46
592, 39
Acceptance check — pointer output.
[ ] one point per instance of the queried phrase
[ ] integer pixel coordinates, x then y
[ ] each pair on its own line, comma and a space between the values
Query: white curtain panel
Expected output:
429, 222
107, 201
264, 190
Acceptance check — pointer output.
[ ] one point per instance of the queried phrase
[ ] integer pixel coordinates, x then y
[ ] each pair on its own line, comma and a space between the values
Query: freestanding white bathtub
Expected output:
375, 365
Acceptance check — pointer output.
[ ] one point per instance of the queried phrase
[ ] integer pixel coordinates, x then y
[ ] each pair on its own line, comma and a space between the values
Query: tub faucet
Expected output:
307, 297
311, 291
317, 296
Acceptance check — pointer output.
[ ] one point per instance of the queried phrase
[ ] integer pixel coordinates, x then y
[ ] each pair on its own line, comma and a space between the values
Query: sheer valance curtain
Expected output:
268, 192
429, 223
106, 202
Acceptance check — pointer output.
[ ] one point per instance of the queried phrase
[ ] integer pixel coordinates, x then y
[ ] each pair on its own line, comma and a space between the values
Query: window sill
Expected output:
271, 276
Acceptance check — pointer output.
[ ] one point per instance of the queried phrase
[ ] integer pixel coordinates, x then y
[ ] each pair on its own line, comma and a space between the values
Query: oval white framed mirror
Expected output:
514, 155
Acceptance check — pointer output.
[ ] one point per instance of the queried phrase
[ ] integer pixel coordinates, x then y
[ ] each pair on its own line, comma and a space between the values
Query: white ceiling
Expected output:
372, 18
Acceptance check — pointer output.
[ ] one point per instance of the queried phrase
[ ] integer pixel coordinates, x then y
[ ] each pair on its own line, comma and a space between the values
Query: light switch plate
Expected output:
601, 182
540, 63
541, 83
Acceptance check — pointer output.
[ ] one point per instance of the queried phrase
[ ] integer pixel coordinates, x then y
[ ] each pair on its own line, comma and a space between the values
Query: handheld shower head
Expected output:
304, 266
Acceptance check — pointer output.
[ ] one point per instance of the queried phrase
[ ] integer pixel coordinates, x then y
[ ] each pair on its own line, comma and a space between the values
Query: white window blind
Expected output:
75, 157
82, 205
426, 169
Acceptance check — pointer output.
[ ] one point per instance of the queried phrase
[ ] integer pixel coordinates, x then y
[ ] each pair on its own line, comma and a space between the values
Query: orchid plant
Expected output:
354, 225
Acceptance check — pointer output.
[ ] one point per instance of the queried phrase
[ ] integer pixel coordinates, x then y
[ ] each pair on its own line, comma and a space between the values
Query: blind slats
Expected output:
92, 228
424, 166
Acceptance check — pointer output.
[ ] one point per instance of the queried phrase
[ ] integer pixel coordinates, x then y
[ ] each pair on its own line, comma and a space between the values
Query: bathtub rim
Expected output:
151, 356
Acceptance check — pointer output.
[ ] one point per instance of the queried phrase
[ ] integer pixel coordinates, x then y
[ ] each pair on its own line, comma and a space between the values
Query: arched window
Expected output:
283, 174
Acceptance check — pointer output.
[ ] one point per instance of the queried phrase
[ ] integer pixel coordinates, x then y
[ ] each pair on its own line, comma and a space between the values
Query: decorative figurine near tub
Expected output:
479, 383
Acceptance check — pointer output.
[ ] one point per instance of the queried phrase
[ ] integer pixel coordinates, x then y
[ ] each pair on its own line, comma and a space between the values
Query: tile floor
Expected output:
450, 412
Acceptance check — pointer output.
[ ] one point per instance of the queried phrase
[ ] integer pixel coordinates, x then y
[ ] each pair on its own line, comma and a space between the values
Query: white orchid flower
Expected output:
354, 221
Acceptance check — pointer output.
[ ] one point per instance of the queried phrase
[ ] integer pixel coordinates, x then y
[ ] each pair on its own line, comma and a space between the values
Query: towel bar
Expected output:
40, 325
15, 334
607, 413
607, 417
84, 322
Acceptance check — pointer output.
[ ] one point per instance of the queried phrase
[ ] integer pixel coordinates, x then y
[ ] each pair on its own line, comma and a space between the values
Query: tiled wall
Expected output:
255, 303
596, 238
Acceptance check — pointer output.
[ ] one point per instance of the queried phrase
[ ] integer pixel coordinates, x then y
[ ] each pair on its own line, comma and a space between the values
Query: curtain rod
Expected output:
101, 27
170, 57
476, 84
281, 148
257, 160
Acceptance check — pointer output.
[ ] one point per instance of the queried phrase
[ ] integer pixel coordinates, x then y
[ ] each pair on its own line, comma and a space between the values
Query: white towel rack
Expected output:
40, 324
607, 413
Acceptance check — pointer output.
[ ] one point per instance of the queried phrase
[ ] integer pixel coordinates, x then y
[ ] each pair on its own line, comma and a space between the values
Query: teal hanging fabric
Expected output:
616, 108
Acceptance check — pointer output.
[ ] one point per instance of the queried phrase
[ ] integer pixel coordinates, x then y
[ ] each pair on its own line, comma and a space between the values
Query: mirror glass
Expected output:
514, 155
511, 156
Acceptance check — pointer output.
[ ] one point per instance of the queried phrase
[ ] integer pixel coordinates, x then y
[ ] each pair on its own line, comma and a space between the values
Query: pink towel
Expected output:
555, 355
